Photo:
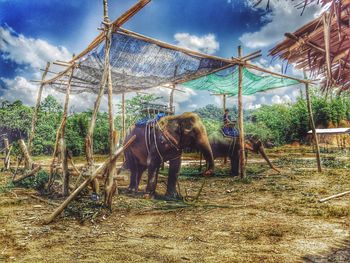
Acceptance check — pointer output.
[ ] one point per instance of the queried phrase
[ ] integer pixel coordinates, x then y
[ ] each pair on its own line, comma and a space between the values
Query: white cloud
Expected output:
284, 17
29, 51
20, 88
276, 99
207, 43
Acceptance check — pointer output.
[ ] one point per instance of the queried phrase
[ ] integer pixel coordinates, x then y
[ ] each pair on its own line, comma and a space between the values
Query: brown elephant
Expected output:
229, 147
162, 141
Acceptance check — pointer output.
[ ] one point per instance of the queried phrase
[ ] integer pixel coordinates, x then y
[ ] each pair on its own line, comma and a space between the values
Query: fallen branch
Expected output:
43, 200
101, 169
26, 175
333, 196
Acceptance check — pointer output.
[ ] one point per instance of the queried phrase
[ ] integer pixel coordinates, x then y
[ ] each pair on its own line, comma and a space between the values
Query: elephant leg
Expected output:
140, 171
133, 186
153, 169
174, 168
234, 165
135, 176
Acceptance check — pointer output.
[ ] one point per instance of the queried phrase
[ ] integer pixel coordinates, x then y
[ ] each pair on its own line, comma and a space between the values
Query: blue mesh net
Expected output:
137, 65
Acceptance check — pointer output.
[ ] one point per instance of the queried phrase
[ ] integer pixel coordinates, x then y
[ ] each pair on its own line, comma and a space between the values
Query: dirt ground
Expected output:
267, 217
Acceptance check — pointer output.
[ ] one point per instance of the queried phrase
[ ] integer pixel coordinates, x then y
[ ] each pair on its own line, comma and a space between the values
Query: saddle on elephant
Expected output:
229, 128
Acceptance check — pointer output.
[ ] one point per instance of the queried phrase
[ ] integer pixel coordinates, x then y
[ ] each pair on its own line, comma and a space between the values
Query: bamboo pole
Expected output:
36, 109
7, 151
110, 183
171, 98
61, 130
65, 173
240, 118
334, 196
224, 102
28, 162
312, 124
326, 34
224, 108
123, 117
100, 169
28, 174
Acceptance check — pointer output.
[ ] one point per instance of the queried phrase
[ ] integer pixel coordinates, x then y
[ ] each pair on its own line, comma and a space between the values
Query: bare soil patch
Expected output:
268, 217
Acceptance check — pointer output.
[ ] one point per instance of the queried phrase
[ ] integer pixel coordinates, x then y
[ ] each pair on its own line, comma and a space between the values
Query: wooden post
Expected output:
110, 183
29, 173
28, 162
224, 102
61, 129
7, 152
223, 109
123, 117
65, 173
36, 109
312, 124
240, 117
101, 169
171, 97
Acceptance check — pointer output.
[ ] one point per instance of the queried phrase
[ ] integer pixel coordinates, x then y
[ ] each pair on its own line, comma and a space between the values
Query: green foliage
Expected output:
36, 182
279, 124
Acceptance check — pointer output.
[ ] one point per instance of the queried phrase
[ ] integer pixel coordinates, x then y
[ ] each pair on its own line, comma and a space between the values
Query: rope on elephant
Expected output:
186, 199
156, 145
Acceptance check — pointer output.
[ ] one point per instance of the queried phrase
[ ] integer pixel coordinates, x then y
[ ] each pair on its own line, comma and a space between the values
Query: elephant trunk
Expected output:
263, 154
204, 147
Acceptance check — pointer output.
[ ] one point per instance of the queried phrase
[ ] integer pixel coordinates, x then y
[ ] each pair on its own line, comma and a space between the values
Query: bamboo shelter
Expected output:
321, 48
118, 61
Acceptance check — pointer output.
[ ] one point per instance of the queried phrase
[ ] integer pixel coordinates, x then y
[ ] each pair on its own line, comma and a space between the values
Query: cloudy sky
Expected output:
33, 32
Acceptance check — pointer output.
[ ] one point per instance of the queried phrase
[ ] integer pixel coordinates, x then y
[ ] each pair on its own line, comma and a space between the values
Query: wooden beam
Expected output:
123, 117
231, 61
100, 169
251, 66
242, 172
312, 124
171, 97
61, 131
116, 24
36, 109
334, 196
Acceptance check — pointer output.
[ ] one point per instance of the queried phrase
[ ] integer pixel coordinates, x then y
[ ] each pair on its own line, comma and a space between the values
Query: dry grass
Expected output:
267, 218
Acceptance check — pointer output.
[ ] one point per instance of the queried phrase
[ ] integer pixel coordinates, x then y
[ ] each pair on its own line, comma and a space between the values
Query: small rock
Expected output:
37, 206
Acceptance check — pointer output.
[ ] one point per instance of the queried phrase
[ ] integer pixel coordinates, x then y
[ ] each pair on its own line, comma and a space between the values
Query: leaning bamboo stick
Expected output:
61, 130
312, 124
240, 118
7, 161
100, 169
333, 196
65, 173
36, 109
117, 23
26, 175
28, 162
110, 184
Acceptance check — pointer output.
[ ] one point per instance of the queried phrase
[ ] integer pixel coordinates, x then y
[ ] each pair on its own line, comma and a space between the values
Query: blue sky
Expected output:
32, 32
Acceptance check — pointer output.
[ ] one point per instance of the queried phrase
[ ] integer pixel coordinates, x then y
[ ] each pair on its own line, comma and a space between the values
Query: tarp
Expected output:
137, 64
226, 82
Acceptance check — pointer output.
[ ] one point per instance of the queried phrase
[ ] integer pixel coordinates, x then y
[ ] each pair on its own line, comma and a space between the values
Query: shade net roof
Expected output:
226, 82
137, 64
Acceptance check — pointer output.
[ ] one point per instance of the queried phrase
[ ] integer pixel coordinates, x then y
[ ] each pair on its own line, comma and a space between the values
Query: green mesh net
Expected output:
227, 82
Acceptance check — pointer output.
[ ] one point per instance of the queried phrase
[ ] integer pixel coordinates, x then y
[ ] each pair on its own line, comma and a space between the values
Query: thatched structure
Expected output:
322, 47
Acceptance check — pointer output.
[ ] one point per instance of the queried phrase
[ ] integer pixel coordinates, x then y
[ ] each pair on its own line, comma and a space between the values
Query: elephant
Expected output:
229, 147
164, 140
